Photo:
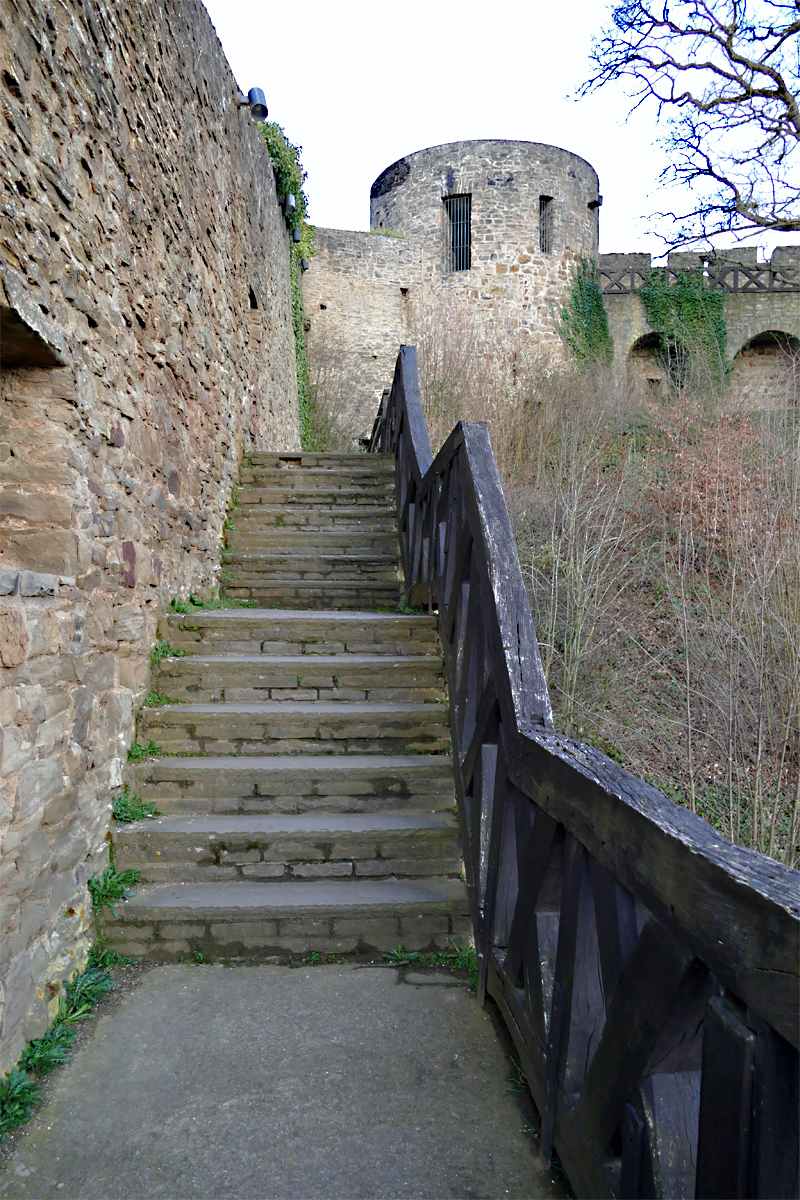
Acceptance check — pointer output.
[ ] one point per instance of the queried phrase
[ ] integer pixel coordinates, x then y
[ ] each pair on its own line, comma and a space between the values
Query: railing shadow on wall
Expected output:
646, 968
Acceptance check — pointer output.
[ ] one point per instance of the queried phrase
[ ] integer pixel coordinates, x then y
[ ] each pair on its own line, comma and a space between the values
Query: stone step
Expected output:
312, 458
289, 630
297, 727
276, 540
253, 517
295, 783
304, 846
248, 920
311, 594
410, 679
274, 567
362, 497
314, 477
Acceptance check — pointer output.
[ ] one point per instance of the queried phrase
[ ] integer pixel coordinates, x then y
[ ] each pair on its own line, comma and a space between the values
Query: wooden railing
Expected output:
623, 280
646, 968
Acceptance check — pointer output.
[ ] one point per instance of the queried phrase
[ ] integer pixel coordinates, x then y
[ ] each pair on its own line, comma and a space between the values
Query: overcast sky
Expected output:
358, 85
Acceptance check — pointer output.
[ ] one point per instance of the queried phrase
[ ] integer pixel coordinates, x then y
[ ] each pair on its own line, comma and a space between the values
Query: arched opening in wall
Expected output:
647, 369
766, 372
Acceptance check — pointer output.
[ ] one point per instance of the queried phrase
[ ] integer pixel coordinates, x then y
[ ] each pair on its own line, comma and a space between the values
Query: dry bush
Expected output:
661, 543
336, 387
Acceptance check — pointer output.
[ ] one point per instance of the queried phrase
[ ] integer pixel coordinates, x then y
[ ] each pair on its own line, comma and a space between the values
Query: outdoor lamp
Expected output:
256, 101
296, 235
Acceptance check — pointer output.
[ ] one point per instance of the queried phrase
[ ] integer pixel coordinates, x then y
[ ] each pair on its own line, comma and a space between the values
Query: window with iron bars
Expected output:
545, 224
458, 246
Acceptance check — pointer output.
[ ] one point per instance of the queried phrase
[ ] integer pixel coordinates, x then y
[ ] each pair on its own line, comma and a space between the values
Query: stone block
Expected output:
172, 931
55, 550
321, 870
35, 583
371, 930
264, 870
37, 508
228, 933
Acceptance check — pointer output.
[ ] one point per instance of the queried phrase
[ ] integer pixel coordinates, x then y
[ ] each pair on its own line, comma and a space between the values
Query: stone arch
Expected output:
646, 369
765, 373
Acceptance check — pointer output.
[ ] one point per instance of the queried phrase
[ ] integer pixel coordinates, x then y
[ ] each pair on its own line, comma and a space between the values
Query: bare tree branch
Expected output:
724, 76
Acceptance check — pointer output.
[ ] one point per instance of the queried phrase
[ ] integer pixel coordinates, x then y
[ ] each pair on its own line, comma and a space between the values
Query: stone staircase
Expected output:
309, 803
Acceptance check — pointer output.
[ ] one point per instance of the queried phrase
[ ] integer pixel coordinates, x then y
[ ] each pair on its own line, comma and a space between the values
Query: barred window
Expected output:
546, 224
458, 220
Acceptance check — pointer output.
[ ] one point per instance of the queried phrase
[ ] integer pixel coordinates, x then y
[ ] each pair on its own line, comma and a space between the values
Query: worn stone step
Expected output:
250, 539
251, 518
288, 630
287, 847
273, 566
313, 458
297, 727
363, 497
314, 477
206, 677
317, 594
295, 783
247, 920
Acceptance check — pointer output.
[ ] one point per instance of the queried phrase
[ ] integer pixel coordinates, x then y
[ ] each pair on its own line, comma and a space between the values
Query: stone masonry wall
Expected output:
361, 294
146, 339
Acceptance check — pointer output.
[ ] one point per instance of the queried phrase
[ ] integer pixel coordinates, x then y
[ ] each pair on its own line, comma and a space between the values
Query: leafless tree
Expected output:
724, 76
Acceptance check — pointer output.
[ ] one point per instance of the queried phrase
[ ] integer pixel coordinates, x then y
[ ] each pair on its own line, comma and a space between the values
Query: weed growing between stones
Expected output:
109, 887
156, 699
194, 602
460, 958
128, 808
162, 649
20, 1090
138, 753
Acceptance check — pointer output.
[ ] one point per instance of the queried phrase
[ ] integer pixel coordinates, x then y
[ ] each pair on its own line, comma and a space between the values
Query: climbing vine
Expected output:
290, 178
690, 320
584, 324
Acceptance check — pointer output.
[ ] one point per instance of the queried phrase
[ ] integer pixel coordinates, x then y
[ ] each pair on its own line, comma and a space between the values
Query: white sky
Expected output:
358, 85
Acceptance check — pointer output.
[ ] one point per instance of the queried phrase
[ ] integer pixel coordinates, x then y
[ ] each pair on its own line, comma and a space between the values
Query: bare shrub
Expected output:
336, 394
662, 548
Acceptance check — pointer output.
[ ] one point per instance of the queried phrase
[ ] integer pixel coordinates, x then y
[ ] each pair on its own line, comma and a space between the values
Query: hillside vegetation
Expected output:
660, 540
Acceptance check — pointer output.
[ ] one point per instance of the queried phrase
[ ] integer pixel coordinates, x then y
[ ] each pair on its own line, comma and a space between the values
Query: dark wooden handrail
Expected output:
647, 969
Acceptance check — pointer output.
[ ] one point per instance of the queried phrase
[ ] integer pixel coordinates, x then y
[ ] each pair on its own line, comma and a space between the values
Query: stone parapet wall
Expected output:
749, 310
147, 339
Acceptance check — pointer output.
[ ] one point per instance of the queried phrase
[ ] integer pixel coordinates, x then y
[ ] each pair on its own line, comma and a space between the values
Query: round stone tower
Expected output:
499, 222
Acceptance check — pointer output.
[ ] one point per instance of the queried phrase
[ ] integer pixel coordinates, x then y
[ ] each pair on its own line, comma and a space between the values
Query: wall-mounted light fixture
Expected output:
598, 203
289, 205
256, 101
304, 267
296, 235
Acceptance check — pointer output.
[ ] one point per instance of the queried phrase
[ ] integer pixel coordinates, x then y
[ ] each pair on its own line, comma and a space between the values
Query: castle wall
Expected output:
761, 376
140, 226
361, 294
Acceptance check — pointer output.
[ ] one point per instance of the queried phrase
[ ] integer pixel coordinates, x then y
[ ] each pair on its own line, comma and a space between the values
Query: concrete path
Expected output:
277, 1082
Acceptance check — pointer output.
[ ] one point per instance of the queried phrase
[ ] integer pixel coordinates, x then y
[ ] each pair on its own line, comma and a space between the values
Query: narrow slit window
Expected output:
546, 224
458, 247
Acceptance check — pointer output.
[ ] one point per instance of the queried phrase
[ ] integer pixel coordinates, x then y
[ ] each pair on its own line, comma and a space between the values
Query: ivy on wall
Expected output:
290, 178
584, 324
690, 320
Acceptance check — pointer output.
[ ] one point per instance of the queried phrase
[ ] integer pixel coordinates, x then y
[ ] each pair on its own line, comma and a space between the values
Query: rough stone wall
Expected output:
361, 294
761, 375
140, 228
511, 283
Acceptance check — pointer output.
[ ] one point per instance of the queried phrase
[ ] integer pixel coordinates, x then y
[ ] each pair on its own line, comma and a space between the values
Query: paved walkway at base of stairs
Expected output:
266, 1081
